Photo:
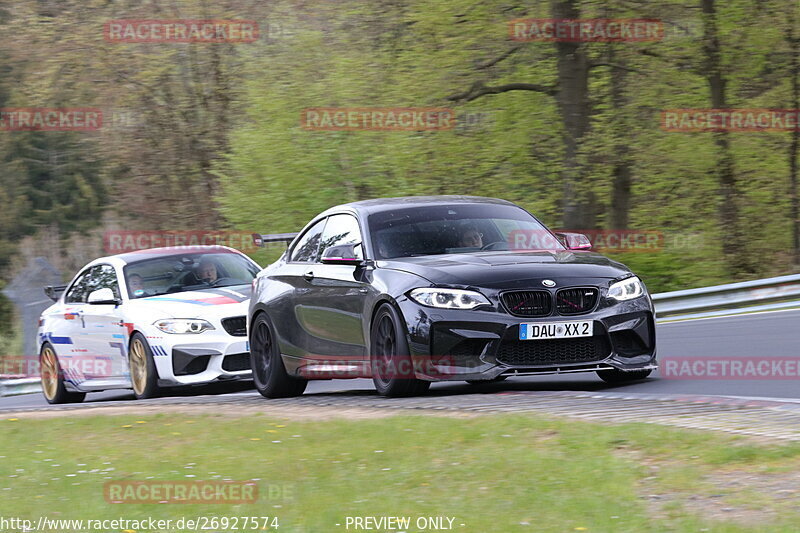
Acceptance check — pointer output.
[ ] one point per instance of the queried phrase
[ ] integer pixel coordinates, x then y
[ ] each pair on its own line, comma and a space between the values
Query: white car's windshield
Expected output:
187, 272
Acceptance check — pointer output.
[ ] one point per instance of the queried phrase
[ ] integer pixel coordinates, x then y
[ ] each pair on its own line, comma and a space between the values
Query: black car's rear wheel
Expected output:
616, 377
269, 373
390, 360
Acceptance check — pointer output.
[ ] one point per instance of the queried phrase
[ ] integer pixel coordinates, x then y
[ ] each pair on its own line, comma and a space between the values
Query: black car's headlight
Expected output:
448, 298
183, 325
627, 289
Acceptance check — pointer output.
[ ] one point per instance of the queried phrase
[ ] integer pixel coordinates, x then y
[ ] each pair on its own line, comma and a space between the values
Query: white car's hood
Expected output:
207, 304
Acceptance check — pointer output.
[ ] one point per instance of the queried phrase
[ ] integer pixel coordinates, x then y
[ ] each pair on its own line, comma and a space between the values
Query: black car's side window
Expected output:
341, 229
77, 293
103, 277
307, 248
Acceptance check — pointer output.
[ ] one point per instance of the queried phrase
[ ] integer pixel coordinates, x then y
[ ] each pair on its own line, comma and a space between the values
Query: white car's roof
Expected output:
120, 260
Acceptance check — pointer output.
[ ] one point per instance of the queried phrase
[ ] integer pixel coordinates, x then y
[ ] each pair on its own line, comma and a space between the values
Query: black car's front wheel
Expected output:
390, 360
616, 377
269, 373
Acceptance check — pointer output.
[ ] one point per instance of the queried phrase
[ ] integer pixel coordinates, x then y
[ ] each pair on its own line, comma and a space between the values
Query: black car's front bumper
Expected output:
479, 344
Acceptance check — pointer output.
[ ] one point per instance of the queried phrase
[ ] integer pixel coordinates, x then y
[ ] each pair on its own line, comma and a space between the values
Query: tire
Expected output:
615, 377
144, 377
390, 359
498, 379
269, 373
53, 387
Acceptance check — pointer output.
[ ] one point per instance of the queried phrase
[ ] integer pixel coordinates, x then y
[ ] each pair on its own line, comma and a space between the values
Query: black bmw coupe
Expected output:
412, 290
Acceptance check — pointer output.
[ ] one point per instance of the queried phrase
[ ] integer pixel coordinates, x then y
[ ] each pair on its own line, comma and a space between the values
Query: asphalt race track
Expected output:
772, 334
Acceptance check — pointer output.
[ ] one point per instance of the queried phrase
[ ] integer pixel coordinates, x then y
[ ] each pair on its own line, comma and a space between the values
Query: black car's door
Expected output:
331, 310
295, 335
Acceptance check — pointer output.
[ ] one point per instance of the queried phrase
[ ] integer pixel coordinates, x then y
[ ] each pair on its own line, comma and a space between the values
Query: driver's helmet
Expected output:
207, 270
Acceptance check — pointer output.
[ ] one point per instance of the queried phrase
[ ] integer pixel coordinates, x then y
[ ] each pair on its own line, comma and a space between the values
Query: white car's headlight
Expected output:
627, 289
448, 298
183, 325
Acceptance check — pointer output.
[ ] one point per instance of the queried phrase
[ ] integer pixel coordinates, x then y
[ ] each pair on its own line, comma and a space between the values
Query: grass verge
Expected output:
498, 473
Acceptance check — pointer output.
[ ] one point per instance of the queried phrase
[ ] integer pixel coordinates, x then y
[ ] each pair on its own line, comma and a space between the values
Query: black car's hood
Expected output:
507, 270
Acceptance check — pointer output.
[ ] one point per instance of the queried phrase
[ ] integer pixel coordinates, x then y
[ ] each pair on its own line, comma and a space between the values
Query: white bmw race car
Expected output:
146, 320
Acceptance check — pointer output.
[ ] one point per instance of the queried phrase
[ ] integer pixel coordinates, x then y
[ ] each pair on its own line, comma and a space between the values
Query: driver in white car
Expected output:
207, 271
136, 285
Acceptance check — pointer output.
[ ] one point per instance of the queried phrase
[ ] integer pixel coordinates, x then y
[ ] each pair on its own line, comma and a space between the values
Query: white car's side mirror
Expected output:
102, 296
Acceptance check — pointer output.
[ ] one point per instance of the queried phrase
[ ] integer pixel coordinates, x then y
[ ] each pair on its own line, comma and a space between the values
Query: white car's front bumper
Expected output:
204, 358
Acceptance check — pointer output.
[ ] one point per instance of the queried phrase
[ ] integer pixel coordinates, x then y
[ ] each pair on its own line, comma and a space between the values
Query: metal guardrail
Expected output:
13, 387
748, 296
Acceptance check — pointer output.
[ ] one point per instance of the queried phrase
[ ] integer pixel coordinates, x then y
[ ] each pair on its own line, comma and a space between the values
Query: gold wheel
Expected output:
49, 373
138, 362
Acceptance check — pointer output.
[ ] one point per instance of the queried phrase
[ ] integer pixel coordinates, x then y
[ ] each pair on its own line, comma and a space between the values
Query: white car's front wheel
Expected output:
144, 377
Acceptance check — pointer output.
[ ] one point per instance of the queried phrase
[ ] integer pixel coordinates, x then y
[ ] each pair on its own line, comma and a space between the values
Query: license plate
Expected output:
555, 330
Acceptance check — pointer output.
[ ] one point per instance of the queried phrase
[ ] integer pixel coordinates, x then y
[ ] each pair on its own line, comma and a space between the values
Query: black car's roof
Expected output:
378, 205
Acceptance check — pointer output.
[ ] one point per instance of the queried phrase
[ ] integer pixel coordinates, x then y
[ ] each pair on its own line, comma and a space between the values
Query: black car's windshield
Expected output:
187, 272
456, 229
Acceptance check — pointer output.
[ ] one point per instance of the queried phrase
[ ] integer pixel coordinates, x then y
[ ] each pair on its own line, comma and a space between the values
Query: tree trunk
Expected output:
621, 185
794, 43
732, 237
573, 103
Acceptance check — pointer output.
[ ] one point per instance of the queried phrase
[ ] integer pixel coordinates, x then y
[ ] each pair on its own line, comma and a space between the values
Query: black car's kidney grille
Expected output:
576, 301
235, 325
553, 352
528, 303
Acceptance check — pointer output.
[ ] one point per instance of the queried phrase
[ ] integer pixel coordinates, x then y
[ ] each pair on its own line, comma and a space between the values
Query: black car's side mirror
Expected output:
575, 241
343, 254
